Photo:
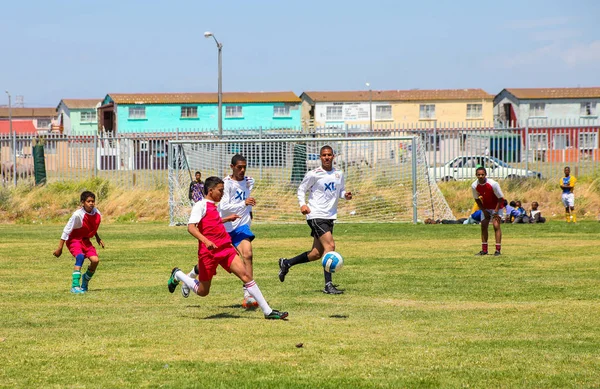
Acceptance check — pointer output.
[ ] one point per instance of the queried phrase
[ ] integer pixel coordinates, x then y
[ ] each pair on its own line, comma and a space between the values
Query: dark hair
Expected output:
326, 147
85, 194
535, 202
481, 168
210, 183
237, 158
197, 173
513, 204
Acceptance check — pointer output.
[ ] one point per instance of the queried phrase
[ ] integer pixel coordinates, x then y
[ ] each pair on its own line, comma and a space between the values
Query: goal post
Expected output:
387, 176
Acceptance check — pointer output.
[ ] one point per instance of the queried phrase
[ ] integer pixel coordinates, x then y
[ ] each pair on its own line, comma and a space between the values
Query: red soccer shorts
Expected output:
209, 260
81, 246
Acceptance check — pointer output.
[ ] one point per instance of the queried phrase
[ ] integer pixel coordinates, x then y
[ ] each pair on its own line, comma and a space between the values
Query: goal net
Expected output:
388, 177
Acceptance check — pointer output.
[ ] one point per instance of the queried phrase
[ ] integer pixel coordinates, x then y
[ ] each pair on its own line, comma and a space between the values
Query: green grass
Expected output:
420, 310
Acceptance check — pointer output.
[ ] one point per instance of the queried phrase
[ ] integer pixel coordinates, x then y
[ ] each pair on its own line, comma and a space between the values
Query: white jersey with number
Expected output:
324, 189
233, 201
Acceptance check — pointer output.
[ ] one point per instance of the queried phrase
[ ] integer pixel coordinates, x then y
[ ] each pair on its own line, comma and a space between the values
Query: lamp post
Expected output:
209, 34
370, 106
13, 138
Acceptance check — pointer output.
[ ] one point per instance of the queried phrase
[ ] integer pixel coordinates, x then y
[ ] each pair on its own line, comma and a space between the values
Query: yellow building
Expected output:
393, 108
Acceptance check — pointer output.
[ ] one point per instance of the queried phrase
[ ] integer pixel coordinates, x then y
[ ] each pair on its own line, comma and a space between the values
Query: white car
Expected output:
464, 167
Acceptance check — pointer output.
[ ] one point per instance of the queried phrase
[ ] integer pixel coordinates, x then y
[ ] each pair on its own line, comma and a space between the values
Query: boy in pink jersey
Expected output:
215, 248
489, 198
80, 228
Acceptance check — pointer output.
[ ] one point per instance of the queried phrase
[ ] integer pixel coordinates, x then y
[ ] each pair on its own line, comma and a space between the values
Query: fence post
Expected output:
95, 155
434, 149
527, 145
14, 154
345, 152
260, 153
414, 177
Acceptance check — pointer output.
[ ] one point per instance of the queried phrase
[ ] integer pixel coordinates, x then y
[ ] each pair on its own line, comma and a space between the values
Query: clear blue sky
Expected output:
81, 49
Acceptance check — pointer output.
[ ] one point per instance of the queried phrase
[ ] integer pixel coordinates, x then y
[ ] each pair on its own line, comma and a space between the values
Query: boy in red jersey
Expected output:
489, 198
215, 248
82, 226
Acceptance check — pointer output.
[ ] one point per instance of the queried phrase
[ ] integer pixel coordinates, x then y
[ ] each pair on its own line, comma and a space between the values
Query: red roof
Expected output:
18, 126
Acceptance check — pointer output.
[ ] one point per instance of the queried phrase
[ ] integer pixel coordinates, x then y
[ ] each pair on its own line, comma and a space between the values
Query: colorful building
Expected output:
24, 118
381, 109
78, 116
194, 112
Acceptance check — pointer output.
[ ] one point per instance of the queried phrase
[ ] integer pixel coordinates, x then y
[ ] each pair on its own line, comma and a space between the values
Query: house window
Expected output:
334, 113
88, 117
588, 108
281, 111
427, 111
137, 112
474, 111
588, 140
233, 111
43, 123
537, 109
189, 112
561, 142
538, 141
383, 112
144, 145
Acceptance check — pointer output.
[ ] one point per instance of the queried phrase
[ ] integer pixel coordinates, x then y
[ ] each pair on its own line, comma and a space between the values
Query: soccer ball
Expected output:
332, 262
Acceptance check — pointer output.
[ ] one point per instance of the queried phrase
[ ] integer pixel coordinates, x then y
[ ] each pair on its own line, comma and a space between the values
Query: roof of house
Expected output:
554, 93
28, 112
204, 98
401, 95
80, 103
18, 126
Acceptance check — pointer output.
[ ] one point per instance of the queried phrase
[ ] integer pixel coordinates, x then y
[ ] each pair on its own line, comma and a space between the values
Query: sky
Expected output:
79, 49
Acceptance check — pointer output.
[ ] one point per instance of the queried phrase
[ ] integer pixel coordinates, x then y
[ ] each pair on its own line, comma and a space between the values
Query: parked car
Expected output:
463, 168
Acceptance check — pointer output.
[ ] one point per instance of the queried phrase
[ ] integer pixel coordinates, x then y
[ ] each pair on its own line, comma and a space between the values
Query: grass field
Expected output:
420, 310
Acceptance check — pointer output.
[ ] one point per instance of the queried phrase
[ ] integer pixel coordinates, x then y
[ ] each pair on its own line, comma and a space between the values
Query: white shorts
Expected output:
568, 199
501, 212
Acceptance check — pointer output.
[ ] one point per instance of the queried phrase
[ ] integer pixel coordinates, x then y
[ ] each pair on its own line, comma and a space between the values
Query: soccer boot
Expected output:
331, 289
481, 253
172, 283
77, 290
284, 268
249, 303
276, 315
84, 283
497, 253
185, 291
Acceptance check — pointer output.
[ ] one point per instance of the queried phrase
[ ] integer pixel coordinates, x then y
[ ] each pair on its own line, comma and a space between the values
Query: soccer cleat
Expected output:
172, 283
77, 290
482, 253
276, 315
84, 283
331, 289
497, 253
250, 303
185, 291
284, 268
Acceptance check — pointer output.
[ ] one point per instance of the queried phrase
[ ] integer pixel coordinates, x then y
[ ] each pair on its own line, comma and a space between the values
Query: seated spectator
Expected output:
520, 214
535, 215
475, 218
511, 211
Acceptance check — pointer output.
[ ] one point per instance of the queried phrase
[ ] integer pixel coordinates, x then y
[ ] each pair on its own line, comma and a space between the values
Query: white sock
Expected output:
246, 293
257, 294
187, 280
192, 273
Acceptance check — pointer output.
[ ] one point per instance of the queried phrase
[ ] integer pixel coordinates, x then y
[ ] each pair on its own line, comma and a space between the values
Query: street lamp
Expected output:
370, 105
9, 114
209, 34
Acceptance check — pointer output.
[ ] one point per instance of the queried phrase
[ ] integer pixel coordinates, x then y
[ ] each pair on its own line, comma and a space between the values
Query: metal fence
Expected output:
452, 150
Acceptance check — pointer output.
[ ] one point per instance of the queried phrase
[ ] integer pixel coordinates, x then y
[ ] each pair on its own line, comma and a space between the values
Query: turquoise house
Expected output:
198, 112
78, 116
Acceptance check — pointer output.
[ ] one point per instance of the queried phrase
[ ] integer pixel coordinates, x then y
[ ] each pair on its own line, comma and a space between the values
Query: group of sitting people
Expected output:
514, 213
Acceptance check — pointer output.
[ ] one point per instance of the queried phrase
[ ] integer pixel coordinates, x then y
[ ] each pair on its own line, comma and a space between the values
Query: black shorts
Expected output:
319, 227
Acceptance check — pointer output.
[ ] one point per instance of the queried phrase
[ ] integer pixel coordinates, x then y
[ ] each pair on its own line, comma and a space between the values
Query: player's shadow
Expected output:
338, 316
223, 315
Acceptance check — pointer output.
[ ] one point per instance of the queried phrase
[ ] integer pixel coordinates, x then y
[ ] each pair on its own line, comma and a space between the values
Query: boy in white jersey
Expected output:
326, 186
237, 200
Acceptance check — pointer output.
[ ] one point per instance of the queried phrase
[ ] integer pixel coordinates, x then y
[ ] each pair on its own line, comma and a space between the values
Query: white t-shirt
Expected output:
324, 189
198, 211
234, 198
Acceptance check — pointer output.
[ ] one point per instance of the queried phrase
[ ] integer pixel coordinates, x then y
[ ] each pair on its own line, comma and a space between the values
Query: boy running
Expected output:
567, 183
489, 198
215, 248
326, 186
82, 226
237, 201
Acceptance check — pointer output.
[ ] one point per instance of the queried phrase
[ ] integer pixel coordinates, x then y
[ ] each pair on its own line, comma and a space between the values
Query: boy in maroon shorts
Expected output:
82, 226
215, 248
